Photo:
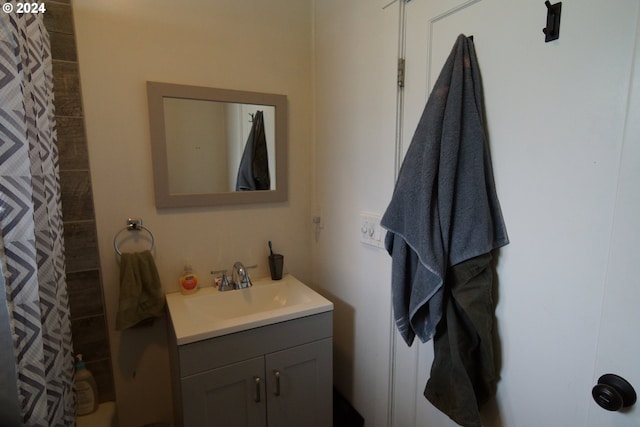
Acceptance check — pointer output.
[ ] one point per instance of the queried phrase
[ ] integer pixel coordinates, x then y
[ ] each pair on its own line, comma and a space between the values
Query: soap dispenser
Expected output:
188, 280
86, 389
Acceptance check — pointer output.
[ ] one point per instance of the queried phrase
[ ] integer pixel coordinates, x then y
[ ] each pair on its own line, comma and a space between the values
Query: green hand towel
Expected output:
141, 296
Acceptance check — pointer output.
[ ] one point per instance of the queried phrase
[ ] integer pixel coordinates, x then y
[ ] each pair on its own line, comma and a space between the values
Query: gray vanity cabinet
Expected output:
278, 375
299, 385
225, 396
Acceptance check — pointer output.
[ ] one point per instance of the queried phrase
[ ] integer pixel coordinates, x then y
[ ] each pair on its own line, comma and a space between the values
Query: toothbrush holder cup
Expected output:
276, 262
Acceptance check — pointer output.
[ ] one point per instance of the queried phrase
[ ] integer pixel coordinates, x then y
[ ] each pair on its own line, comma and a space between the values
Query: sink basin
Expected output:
210, 313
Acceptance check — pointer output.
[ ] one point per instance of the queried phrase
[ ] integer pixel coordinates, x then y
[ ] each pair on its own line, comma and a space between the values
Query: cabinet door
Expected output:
231, 396
299, 386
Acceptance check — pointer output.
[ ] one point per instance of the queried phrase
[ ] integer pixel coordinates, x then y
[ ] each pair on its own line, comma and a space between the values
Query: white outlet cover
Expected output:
371, 233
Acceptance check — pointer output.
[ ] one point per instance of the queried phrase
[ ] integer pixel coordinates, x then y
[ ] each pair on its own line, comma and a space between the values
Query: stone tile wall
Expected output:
88, 322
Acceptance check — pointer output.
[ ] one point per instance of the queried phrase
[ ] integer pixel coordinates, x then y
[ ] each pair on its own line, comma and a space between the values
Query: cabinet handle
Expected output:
257, 380
276, 373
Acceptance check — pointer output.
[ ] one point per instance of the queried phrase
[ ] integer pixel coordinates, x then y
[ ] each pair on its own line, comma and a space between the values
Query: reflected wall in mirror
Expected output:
217, 146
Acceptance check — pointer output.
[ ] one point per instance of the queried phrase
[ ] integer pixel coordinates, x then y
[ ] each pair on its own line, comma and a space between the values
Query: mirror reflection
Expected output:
217, 146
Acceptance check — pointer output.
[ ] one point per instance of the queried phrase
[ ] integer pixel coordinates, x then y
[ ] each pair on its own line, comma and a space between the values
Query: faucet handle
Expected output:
224, 284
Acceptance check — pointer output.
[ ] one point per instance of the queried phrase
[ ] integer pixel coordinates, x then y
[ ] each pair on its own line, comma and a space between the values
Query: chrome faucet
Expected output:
240, 276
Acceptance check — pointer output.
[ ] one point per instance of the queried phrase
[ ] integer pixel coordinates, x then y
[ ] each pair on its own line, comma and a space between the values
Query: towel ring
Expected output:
133, 224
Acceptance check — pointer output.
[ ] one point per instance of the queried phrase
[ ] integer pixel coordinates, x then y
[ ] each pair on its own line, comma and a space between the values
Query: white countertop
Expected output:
209, 313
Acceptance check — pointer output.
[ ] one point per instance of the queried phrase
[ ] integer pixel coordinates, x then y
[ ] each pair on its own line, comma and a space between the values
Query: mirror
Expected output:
217, 146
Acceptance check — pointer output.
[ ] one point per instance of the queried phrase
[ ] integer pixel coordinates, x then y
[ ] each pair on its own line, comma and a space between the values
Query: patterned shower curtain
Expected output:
31, 229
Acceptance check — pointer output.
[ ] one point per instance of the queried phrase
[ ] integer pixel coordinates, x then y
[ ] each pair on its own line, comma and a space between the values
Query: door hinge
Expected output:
401, 72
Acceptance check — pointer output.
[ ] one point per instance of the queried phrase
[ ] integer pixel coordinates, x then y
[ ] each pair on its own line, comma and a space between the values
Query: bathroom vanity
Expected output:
260, 356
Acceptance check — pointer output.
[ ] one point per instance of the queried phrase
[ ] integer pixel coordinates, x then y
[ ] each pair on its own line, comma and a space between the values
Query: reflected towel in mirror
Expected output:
253, 172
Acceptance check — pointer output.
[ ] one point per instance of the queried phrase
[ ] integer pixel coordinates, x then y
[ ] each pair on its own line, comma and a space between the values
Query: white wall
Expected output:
355, 86
255, 46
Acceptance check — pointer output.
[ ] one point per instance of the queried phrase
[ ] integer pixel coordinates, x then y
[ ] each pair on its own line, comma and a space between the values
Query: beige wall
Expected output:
196, 133
255, 46
356, 47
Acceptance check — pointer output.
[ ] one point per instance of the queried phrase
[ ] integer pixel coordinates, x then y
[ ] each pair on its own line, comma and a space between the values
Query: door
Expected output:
618, 346
564, 145
300, 386
231, 396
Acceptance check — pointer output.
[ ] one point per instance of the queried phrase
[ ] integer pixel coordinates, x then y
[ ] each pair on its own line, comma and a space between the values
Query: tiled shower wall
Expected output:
88, 322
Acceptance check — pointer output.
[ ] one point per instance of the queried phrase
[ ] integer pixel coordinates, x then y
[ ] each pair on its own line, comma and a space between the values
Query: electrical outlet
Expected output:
371, 233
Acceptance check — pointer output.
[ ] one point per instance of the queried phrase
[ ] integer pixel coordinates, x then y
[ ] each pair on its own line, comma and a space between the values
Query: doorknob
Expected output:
613, 393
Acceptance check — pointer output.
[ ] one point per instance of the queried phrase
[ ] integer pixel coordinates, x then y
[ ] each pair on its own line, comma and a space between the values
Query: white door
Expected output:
564, 139
618, 345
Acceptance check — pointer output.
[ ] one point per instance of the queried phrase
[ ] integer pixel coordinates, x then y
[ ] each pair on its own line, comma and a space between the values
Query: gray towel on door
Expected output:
444, 209
463, 373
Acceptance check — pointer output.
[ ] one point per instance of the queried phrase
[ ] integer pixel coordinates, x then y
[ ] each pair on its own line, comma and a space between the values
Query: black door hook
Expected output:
552, 31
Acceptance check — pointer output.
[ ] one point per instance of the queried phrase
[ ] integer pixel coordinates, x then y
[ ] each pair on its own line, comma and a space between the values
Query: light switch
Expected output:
371, 233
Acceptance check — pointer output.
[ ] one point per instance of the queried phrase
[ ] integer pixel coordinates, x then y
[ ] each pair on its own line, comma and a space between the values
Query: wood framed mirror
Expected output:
206, 141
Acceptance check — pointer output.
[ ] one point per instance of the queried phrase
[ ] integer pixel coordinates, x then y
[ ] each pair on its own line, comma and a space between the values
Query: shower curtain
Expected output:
31, 229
